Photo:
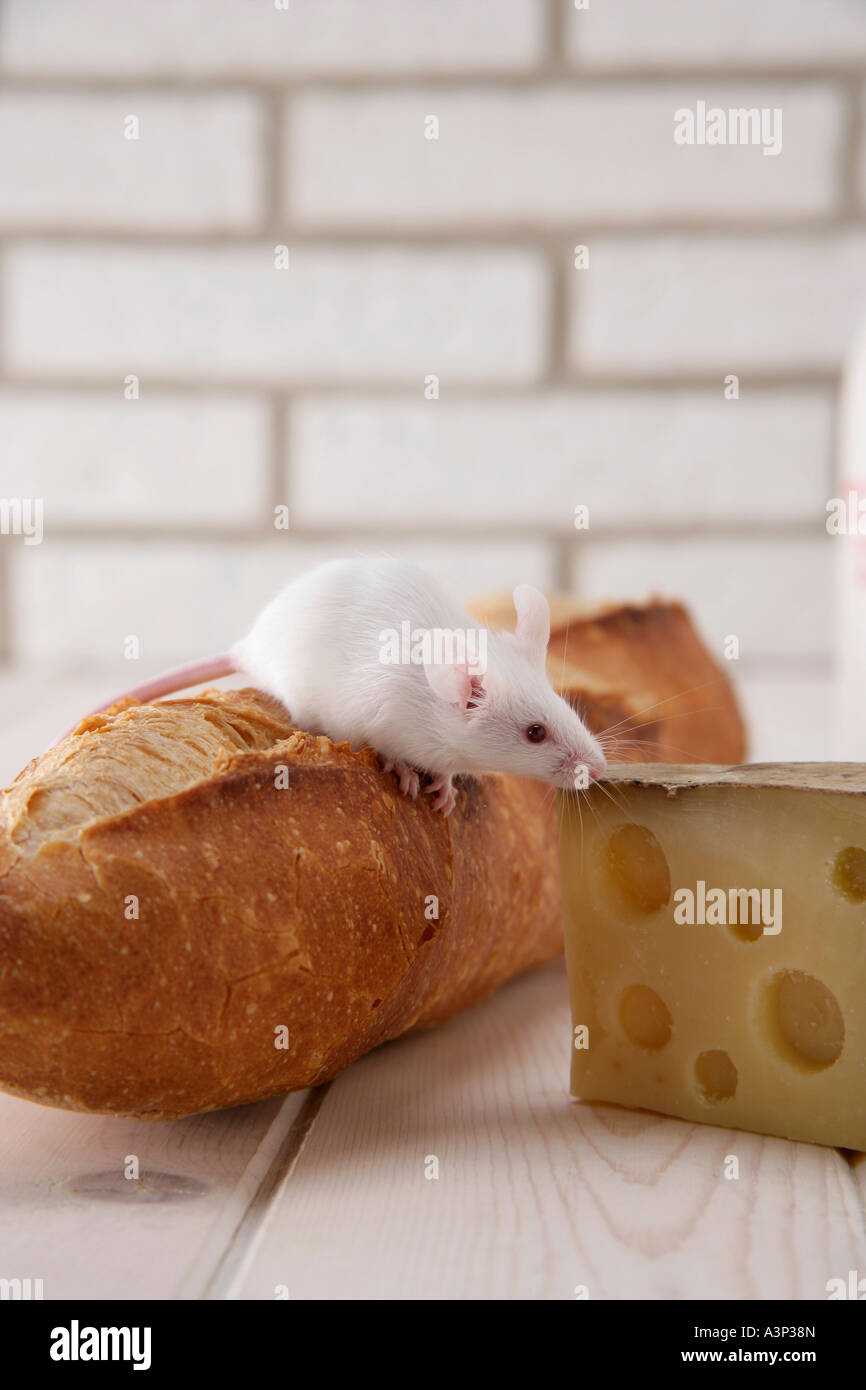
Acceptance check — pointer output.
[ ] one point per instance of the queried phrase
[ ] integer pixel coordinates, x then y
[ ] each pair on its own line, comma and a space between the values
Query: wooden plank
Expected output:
538, 1195
236, 1254
70, 1217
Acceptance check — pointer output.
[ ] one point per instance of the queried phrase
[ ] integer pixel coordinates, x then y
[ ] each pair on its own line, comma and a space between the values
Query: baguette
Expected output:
330, 914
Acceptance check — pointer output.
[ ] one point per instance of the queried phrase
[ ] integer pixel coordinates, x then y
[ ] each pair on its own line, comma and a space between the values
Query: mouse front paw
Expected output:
408, 778
442, 789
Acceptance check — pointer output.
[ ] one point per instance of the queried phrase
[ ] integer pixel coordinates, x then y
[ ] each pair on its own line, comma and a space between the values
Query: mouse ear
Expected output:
533, 622
452, 682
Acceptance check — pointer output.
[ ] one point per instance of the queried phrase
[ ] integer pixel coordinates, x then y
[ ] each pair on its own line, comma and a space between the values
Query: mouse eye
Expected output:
536, 733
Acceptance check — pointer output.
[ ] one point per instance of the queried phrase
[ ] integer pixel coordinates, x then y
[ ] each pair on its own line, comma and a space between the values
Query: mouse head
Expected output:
509, 717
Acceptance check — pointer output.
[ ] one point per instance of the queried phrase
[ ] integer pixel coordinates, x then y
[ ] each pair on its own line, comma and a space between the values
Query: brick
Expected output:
75, 602
220, 37
787, 716
773, 593
65, 159
630, 456
537, 157
167, 460
227, 313
740, 34
180, 599
700, 304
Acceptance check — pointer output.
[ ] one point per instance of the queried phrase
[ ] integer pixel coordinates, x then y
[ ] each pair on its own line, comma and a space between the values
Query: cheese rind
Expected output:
750, 1010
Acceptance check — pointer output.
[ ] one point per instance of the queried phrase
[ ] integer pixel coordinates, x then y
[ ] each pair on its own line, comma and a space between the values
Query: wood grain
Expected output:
538, 1195
68, 1215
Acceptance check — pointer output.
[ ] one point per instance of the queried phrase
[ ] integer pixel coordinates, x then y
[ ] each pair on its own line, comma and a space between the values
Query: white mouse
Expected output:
373, 652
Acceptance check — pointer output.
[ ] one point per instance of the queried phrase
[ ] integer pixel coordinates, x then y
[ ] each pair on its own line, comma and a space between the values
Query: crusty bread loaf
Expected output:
187, 886
333, 908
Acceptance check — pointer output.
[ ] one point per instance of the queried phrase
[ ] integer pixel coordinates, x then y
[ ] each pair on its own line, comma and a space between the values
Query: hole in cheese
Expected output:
638, 867
645, 1018
849, 873
808, 1021
716, 1075
747, 931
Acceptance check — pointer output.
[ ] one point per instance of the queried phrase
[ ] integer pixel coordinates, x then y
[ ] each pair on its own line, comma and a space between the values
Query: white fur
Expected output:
316, 647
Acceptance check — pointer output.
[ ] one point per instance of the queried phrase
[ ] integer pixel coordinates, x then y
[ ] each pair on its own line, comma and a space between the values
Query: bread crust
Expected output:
310, 907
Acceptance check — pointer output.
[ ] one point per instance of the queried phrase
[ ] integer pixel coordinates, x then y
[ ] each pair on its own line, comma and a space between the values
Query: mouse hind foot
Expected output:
441, 787
408, 778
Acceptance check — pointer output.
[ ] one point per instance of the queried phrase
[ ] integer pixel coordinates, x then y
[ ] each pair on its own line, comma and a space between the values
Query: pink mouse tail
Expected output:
193, 673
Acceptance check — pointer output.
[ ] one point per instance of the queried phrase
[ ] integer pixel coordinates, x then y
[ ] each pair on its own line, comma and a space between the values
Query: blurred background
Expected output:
425, 277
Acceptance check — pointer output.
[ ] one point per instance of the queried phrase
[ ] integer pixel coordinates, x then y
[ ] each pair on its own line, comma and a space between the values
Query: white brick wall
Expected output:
253, 38
633, 458
163, 460
77, 604
359, 312
67, 159
706, 304
771, 593
552, 154
701, 33
413, 259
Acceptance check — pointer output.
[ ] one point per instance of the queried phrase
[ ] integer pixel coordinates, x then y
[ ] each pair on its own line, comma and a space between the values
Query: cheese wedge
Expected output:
715, 935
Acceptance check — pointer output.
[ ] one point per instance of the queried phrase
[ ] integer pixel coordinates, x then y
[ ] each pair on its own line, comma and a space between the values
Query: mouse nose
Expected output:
589, 770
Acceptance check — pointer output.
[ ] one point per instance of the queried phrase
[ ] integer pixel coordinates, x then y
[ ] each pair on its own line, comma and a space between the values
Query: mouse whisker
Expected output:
568, 802
618, 745
658, 704
621, 806
663, 719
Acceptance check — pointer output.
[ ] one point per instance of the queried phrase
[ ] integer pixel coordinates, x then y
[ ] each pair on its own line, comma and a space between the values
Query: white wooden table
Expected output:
325, 1194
